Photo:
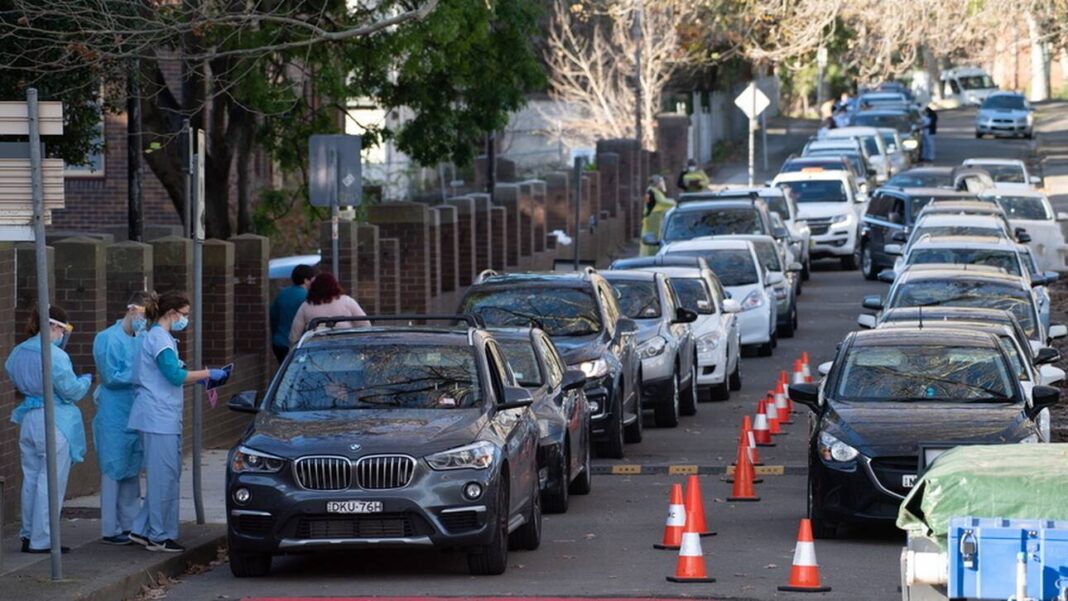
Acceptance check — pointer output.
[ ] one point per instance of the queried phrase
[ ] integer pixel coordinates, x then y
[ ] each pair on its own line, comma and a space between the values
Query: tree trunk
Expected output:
245, 156
1039, 60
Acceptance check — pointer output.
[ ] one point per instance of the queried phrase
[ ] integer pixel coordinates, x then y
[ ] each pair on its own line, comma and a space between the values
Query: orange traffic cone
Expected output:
743, 479
805, 573
782, 406
761, 434
676, 520
754, 454
691, 564
798, 376
805, 368
743, 443
773, 415
695, 506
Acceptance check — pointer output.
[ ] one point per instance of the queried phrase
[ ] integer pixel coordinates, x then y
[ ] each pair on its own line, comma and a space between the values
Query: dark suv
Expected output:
406, 436
580, 313
712, 214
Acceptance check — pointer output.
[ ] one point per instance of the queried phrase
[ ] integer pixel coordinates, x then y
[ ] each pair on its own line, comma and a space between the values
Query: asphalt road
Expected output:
603, 546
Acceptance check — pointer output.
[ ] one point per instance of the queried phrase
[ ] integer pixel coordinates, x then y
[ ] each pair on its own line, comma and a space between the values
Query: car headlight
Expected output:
651, 348
753, 300
709, 342
476, 456
780, 293
1030, 119
1031, 438
910, 144
245, 460
597, 368
840, 219
832, 449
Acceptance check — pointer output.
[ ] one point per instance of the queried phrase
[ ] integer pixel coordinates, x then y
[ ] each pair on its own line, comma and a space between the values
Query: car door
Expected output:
621, 345
876, 230
571, 402
513, 427
681, 332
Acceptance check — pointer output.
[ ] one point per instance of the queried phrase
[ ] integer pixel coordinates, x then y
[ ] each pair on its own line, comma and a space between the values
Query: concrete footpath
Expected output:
785, 136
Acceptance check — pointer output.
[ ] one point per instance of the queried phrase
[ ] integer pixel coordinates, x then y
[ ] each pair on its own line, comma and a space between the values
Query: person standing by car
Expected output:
692, 178
159, 376
930, 128
285, 306
23, 368
326, 299
656, 205
118, 448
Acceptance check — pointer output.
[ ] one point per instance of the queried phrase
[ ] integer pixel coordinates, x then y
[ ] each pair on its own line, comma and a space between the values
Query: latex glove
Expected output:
216, 374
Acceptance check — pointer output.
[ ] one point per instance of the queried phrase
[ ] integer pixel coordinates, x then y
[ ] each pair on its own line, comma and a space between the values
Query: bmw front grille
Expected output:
381, 472
323, 472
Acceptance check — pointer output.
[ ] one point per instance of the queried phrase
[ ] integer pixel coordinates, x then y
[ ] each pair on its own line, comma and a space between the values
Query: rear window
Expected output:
558, 311
1004, 174
815, 191
899, 122
1024, 207
908, 179
693, 294
685, 225
638, 300
732, 267
524, 363
777, 204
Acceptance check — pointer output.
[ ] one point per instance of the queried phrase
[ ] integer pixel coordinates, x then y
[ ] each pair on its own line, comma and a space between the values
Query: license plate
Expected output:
354, 506
908, 480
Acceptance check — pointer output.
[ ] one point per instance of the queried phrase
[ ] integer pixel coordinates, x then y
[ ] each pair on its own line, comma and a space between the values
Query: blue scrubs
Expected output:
157, 415
23, 367
117, 447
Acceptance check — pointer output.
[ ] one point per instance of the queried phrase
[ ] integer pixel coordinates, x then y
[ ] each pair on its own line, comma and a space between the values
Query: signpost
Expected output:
753, 102
335, 179
580, 164
198, 150
821, 65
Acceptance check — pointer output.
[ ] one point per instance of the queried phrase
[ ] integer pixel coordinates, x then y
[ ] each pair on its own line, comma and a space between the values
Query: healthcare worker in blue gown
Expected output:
159, 376
118, 447
24, 369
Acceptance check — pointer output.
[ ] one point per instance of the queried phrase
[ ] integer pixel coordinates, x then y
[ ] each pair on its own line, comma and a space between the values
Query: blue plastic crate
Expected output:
983, 551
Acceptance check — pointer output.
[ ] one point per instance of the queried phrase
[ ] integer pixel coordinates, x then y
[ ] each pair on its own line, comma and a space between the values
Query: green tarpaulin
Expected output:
991, 481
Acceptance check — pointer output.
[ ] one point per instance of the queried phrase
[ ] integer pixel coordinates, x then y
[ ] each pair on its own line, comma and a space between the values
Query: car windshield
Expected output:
768, 255
919, 202
957, 230
637, 299
1005, 174
924, 373
1005, 259
684, 225
1024, 207
693, 294
524, 363
976, 82
856, 162
899, 122
559, 311
889, 139
965, 293
871, 145
379, 375
777, 204
733, 267
830, 190
912, 179
1013, 353
1007, 101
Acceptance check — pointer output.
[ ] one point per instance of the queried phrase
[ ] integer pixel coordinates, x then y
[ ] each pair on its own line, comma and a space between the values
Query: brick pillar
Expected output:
388, 276
366, 289
499, 219
608, 166
448, 243
505, 171
172, 268
486, 233
26, 282
587, 237
534, 189
559, 213
434, 246
409, 223
630, 182
346, 243
507, 196
11, 331
81, 289
129, 269
252, 289
218, 302
672, 147
465, 239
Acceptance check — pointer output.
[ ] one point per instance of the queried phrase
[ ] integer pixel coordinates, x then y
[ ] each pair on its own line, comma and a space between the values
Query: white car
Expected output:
895, 147
873, 144
1032, 211
1009, 175
966, 251
829, 204
743, 276
787, 209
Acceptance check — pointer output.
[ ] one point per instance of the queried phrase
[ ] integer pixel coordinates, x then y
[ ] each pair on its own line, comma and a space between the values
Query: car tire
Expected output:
1029, 136
821, 528
787, 329
867, 263
528, 536
612, 447
666, 415
806, 270
735, 380
246, 564
632, 434
688, 395
556, 499
850, 262
583, 484
978, 136
765, 350
491, 559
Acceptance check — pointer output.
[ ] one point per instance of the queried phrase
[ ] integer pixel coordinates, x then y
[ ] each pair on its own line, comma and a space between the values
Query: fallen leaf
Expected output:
589, 536
770, 566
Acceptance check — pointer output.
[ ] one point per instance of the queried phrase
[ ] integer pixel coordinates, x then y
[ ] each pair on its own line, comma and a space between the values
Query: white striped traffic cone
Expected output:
805, 572
691, 564
676, 520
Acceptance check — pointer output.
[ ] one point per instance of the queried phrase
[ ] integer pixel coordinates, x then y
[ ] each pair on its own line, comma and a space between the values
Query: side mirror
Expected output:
825, 368
1058, 330
1042, 279
795, 267
775, 278
887, 275
684, 315
900, 236
650, 240
1042, 397
863, 187
873, 302
866, 321
1062, 216
515, 398
1049, 375
1022, 236
244, 402
808, 394
1047, 354
1051, 276
1036, 180
731, 306
574, 379
893, 250
628, 326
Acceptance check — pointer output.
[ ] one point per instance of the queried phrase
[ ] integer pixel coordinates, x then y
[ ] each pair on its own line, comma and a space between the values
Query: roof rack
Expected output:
660, 261
471, 320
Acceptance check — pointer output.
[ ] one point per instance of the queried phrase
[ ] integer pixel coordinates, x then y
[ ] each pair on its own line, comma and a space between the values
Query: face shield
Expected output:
67, 329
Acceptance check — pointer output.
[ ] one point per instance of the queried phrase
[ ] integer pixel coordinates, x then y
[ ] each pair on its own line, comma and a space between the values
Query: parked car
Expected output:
785, 239
923, 177
564, 445
774, 259
1009, 175
1005, 114
967, 86
777, 202
744, 277
706, 214
862, 171
386, 436
899, 120
872, 143
817, 161
1032, 212
891, 393
581, 314
967, 252
829, 204
899, 157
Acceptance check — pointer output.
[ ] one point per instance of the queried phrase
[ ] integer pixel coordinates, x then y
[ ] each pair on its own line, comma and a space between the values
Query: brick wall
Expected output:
448, 245
389, 276
409, 223
218, 303
466, 219
508, 197
10, 332
500, 243
486, 234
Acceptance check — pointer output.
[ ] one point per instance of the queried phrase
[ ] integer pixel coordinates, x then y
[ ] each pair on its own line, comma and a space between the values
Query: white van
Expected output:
967, 85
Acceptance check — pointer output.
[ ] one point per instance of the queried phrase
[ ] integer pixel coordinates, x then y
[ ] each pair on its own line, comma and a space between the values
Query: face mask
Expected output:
691, 169
139, 324
180, 324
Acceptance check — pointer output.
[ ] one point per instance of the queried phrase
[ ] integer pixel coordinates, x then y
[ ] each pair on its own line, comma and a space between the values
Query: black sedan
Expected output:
562, 411
386, 437
891, 401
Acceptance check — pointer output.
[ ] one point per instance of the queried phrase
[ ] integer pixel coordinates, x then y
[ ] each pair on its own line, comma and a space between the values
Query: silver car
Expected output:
1005, 114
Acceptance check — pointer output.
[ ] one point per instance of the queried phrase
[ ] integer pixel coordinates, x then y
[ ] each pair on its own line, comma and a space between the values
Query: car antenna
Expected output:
920, 307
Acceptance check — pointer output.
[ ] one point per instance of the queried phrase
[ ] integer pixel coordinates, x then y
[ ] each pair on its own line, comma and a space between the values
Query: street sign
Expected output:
198, 187
335, 172
752, 101
13, 118
821, 57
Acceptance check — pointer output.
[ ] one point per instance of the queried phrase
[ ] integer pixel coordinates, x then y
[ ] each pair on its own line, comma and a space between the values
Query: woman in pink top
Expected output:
325, 299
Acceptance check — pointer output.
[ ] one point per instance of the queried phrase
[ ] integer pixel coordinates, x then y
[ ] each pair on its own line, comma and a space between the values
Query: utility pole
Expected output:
636, 34
135, 213
821, 86
491, 164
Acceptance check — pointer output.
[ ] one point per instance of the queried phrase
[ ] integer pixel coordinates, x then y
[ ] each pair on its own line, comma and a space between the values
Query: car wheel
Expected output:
556, 499
492, 559
688, 395
583, 484
633, 433
766, 349
850, 262
528, 536
1029, 135
666, 415
806, 269
735, 381
245, 564
978, 136
821, 528
612, 448
867, 263
787, 330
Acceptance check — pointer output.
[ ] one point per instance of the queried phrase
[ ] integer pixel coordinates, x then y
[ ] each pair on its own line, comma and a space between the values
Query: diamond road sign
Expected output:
334, 170
752, 101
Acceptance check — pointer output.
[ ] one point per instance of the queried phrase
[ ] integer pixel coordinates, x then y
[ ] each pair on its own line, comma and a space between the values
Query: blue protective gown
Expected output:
118, 447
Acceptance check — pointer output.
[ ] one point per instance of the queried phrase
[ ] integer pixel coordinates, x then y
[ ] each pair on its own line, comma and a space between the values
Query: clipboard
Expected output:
228, 368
